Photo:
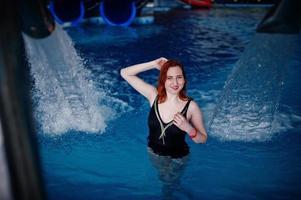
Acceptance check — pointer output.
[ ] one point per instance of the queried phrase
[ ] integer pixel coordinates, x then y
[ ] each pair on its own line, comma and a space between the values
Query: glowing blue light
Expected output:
127, 23
73, 22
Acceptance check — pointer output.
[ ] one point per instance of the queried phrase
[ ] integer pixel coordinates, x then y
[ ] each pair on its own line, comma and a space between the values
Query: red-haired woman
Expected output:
173, 114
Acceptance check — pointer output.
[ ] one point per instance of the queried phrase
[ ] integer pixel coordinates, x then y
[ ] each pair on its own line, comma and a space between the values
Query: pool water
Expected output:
92, 126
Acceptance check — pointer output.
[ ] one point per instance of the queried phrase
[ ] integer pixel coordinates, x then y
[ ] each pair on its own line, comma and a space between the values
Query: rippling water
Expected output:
79, 164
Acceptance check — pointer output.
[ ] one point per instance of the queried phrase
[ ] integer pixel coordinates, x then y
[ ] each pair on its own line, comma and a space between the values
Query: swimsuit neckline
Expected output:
157, 104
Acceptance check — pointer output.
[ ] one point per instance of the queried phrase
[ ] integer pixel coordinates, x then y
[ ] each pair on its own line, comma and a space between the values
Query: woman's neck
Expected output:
172, 98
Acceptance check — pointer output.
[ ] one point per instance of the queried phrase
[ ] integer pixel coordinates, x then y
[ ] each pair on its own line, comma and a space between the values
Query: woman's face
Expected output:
174, 80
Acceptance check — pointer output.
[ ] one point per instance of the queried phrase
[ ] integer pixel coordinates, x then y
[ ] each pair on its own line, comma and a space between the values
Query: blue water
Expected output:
84, 159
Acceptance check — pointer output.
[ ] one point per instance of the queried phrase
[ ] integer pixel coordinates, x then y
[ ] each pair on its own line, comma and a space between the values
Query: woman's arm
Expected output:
130, 75
198, 123
196, 129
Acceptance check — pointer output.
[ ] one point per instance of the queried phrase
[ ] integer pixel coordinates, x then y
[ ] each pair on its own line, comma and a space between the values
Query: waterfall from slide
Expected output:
247, 108
64, 95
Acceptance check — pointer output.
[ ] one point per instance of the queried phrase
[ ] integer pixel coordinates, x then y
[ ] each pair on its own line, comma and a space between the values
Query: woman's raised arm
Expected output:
130, 75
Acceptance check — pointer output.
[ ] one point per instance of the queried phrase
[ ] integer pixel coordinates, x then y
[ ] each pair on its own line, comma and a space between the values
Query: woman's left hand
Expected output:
182, 123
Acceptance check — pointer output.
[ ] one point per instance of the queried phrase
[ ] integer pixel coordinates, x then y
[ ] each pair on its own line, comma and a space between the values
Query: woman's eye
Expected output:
169, 78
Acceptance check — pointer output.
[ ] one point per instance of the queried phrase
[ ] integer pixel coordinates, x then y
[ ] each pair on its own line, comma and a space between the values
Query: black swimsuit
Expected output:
166, 139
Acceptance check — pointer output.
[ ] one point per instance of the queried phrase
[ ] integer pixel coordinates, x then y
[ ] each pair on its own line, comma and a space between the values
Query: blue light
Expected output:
127, 23
73, 22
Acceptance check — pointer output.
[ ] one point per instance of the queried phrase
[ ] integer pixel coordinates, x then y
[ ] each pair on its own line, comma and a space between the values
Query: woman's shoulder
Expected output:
193, 106
189, 99
153, 97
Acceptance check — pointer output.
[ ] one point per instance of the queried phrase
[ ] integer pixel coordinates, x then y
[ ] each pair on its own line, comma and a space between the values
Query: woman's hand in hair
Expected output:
160, 62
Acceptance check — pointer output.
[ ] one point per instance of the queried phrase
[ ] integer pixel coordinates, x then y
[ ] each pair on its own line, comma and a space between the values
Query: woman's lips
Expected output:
175, 87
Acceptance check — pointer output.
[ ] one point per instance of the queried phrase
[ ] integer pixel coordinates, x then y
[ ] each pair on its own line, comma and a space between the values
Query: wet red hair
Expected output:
162, 78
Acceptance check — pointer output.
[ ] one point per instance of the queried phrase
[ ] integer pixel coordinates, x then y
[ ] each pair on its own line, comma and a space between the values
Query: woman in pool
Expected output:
173, 114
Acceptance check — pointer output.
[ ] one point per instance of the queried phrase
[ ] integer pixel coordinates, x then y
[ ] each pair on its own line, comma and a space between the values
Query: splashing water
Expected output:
65, 96
248, 105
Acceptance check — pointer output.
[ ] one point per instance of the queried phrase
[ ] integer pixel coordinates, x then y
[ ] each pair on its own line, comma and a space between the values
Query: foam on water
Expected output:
64, 93
248, 106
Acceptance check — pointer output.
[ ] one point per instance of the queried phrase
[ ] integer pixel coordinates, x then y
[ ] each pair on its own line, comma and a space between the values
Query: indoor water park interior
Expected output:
73, 128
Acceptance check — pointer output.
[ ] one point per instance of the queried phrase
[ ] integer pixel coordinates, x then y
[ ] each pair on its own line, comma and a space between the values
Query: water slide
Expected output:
118, 13
113, 12
283, 17
199, 3
64, 11
17, 128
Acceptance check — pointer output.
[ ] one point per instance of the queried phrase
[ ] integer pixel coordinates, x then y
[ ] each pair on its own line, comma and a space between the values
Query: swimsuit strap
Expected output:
186, 107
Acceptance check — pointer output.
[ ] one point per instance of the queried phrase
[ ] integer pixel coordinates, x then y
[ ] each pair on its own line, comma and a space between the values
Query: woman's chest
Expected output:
167, 112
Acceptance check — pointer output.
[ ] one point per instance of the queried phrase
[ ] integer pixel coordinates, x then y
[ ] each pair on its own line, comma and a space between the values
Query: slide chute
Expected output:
199, 3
